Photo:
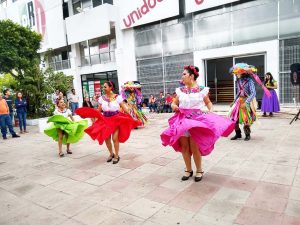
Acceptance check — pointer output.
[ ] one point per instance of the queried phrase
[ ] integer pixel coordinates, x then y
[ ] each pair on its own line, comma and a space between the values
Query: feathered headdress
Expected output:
130, 87
244, 68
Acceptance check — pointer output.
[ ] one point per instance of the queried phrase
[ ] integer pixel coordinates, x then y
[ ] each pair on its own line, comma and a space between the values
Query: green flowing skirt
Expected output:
73, 130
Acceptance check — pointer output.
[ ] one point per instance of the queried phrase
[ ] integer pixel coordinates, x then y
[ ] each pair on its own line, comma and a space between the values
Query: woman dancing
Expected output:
112, 124
63, 130
192, 131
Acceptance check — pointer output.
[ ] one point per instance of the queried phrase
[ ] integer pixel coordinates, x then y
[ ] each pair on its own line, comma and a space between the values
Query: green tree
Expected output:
19, 58
7, 81
18, 49
58, 80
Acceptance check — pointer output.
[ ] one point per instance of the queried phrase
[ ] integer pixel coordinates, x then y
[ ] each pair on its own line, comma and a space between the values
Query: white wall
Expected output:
270, 48
125, 55
48, 20
90, 24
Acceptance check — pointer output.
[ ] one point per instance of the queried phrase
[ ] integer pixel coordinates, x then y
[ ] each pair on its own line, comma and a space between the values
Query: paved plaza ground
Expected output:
245, 183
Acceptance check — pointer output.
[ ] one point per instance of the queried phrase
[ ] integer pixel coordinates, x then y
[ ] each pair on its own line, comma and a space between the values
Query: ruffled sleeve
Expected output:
204, 92
178, 91
119, 99
55, 112
100, 100
69, 113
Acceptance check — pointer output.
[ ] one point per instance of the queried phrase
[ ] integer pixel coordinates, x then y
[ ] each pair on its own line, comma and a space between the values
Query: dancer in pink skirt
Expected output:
192, 131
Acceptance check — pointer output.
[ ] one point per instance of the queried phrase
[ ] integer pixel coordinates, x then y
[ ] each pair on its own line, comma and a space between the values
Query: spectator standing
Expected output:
73, 100
55, 96
161, 103
87, 102
169, 100
95, 102
5, 120
21, 105
9, 101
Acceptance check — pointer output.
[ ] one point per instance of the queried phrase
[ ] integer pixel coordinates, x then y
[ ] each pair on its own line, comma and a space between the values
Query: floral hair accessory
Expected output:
193, 69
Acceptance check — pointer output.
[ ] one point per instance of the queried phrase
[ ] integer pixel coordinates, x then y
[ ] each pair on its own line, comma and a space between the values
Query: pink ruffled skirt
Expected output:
204, 128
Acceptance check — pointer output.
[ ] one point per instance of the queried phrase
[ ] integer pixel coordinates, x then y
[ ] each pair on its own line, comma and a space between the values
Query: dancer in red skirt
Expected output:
112, 124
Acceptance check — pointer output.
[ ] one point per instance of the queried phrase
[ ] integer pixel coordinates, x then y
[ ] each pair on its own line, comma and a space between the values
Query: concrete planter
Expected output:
32, 122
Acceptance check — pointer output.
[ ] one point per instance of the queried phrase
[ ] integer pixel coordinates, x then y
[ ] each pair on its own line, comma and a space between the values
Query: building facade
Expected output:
151, 40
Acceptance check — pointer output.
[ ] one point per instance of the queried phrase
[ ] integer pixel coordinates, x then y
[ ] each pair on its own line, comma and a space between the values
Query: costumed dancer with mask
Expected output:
192, 131
112, 124
64, 130
132, 93
243, 109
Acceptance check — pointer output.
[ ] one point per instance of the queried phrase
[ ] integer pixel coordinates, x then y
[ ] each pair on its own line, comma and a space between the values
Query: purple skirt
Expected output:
270, 104
204, 128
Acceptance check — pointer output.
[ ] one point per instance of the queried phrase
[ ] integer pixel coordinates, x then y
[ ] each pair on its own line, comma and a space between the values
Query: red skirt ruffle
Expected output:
103, 127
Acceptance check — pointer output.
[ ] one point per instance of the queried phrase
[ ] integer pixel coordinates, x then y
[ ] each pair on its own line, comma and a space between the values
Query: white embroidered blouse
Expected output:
192, 99
110, 105
66, 113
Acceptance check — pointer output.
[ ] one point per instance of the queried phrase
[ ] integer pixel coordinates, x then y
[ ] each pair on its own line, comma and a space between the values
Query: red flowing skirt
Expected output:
103, 127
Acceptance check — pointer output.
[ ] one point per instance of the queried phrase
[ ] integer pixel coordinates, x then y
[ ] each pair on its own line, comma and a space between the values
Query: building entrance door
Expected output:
222, 84
219, 80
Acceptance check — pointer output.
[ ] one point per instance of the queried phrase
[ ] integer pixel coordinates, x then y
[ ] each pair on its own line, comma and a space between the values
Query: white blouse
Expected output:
66, 113
192, 100
110, 106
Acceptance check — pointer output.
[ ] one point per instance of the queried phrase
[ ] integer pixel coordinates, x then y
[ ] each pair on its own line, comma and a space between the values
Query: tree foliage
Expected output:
58, 81
18, 49
19, 61
7, 81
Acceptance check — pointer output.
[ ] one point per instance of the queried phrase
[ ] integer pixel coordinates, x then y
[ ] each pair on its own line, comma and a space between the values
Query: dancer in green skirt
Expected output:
64, 130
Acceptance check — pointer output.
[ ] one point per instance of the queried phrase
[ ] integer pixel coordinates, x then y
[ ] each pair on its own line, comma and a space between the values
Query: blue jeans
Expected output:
5, 120
74, 106
11, 114
22, 120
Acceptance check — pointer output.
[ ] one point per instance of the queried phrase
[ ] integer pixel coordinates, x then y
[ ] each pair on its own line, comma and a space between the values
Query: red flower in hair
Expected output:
192, 68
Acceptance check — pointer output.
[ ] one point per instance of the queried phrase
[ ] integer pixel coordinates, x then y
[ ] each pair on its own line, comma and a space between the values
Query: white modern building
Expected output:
151, 40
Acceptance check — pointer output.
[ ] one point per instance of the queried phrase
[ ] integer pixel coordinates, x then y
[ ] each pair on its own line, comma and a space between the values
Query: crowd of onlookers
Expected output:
7, 111
72, 100
160, 104
9, 108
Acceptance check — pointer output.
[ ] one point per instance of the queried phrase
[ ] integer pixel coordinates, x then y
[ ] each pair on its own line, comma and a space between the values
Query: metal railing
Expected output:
100, 58
60, 65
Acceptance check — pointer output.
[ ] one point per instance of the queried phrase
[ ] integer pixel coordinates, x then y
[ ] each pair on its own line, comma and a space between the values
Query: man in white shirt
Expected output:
55, 97
73, 100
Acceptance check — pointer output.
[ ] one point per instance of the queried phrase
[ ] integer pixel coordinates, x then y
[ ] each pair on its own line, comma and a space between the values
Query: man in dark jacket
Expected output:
9, 101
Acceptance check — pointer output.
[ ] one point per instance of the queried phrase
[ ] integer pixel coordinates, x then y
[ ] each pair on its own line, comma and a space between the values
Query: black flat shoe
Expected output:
61, 155
197, 177
110, 158
187, 177
69, 152
116, 160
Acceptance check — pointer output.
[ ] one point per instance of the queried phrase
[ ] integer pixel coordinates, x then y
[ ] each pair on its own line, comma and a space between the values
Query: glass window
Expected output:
84, 52
148, 43
97, 3
258, 22
77, 7
178, 38
210, 34
108, 2
86, 4
289, 18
